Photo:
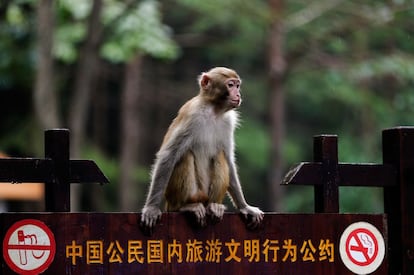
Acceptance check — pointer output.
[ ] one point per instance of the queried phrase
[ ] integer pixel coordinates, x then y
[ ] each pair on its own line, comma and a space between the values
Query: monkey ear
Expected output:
204, 81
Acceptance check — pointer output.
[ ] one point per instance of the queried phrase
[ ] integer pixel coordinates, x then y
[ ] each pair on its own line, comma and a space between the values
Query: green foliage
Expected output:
299, 199
360, 200
399, 65
74, 9
352, 76
226, 14
254, 143
235, 27
71, 29
110, 167
139, 31
15, 137
65, 40
15, 52
14, 16
134, 29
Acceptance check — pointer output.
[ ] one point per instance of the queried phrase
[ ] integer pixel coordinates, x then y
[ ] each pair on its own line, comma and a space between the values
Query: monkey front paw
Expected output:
199, 212
215, 211
150, 216
252, 215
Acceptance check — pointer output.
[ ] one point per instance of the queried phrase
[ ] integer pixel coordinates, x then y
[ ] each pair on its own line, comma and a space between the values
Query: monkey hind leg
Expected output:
183, 193
219, 178
219, 184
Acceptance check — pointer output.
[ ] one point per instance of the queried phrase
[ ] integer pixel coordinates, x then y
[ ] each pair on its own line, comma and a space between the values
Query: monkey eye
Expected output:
231, 84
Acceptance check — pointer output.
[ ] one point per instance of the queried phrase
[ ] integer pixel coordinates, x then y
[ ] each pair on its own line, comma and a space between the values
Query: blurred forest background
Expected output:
115, 73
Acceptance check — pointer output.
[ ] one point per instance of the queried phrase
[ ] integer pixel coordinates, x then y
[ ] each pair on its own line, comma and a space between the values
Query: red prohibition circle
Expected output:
6, 246
360, 247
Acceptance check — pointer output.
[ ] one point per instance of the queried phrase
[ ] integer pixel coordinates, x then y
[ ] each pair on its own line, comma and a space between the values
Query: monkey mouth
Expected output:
235, 103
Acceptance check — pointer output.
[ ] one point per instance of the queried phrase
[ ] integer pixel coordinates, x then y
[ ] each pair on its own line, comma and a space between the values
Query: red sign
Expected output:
29, 247
362, 248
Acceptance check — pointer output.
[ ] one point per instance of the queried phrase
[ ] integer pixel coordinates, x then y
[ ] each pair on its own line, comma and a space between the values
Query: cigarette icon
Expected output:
21, 237
22, 252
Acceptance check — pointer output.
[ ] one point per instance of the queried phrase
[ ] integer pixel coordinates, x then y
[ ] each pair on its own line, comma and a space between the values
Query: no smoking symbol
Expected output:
362, 248
29, 247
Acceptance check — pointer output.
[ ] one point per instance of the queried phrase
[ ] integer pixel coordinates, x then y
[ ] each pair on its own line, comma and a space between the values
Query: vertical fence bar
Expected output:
57, 191
325, 150
398, 150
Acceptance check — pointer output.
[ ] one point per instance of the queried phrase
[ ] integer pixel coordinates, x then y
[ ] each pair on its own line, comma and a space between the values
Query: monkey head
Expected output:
221, 87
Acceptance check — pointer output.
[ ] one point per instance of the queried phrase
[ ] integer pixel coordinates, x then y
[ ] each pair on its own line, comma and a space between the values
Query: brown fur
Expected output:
195, 166
220, 179
184, 186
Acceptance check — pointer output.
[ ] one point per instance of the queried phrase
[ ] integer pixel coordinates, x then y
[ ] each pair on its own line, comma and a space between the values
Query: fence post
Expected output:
325, 150
57, 191
398, 150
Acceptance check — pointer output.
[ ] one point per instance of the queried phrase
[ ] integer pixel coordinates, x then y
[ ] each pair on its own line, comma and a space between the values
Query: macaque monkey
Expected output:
195, 166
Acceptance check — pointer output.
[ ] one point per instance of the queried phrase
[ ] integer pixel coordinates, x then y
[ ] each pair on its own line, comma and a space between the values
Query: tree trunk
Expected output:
277, 68
130, 135
85, 76
45, 100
